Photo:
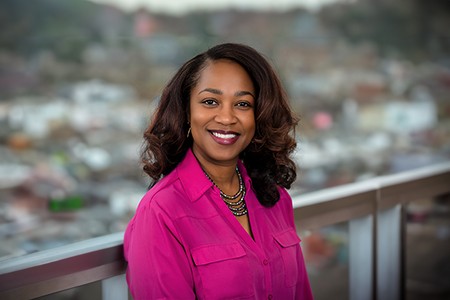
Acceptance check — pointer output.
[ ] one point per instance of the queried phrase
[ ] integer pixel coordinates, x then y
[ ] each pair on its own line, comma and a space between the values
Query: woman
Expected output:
217, 222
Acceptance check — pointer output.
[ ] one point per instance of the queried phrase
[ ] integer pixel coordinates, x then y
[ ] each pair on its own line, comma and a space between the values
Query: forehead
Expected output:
225, 73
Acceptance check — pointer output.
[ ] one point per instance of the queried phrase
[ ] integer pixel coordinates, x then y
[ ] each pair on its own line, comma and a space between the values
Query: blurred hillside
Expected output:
416, 28
48, 41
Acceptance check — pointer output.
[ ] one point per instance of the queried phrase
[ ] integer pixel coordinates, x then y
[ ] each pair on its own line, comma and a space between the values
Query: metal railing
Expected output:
375, 212
373, 208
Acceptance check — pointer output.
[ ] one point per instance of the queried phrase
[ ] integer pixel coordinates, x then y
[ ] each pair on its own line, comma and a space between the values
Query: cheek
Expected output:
198, 123
251, 126
198, 118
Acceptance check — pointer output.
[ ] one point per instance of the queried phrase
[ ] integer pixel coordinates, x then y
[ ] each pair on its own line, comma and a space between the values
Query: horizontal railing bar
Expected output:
378, 183
416, 189
62, 268
333, 193
332, 212
62, 252
60, 283
411, 175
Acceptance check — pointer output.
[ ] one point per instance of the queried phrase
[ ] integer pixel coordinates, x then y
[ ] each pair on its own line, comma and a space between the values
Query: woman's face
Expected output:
222, 116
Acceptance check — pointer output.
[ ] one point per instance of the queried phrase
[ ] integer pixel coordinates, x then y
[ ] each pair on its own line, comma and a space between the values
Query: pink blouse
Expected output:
184, 243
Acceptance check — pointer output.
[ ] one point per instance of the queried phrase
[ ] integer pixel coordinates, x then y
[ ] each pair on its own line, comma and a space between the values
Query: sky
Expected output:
183, 6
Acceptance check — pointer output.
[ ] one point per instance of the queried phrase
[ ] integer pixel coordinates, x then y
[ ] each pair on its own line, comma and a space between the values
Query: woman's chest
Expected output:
229, 263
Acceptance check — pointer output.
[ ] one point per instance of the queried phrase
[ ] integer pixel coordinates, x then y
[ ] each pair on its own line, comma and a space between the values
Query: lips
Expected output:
224, 137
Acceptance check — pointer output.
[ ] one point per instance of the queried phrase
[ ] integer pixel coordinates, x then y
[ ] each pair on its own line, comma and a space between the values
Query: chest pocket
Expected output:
288, 244
224, 271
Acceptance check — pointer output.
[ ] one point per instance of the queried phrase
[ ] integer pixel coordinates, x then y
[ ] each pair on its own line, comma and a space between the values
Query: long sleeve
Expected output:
303, 291
303, 288
157, 264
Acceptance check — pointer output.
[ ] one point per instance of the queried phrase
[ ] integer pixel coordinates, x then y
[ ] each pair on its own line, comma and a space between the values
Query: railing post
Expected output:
361, 254
115, 288
389, 249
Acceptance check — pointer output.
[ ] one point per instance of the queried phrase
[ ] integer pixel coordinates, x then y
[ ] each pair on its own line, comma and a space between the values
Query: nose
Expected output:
226, 115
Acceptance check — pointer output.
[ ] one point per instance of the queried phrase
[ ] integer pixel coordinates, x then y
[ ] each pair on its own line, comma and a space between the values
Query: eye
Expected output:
244, 104
209, 102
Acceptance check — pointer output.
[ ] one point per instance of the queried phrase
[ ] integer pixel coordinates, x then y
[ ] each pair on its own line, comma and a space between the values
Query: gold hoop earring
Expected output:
189, 132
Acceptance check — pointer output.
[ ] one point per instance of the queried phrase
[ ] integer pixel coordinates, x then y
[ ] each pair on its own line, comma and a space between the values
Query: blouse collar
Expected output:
194, 180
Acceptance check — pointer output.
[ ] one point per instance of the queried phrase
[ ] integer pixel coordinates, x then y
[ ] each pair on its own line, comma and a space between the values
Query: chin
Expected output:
225, 156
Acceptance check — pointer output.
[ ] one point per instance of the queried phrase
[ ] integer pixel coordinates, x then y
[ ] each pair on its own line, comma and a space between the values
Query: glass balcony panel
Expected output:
85, 292
326, 256
427, 249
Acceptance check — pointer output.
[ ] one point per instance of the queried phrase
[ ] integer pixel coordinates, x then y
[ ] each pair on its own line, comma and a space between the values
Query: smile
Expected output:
224, 138
224, 135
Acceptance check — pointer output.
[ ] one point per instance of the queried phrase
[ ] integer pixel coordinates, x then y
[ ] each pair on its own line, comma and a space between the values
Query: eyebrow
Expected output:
219, 92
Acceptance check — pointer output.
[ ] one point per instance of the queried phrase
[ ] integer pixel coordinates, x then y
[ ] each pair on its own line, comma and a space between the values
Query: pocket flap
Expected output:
214, 253
287, 238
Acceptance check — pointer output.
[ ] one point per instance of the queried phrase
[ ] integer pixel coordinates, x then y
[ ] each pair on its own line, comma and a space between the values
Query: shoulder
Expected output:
285, 202
285, 197
166, 195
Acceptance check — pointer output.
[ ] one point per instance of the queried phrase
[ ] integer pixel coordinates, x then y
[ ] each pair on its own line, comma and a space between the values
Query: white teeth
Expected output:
224, 136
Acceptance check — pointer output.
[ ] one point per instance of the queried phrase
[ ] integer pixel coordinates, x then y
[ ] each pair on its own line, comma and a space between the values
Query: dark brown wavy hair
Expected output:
267, 158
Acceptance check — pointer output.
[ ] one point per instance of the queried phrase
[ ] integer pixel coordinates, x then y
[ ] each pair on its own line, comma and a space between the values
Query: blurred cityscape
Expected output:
370, 81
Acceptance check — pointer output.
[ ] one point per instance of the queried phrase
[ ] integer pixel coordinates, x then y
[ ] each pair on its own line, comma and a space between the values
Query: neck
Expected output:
223, 175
